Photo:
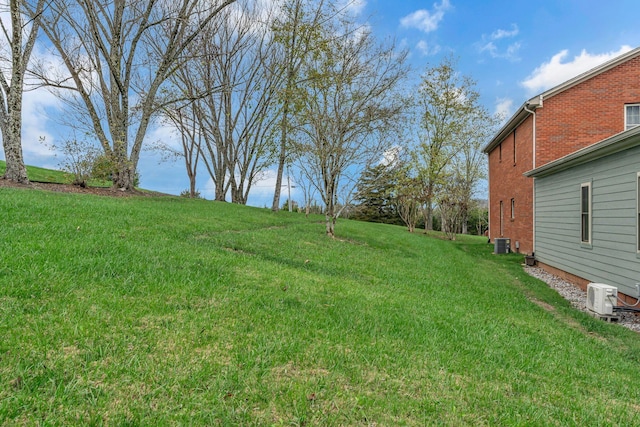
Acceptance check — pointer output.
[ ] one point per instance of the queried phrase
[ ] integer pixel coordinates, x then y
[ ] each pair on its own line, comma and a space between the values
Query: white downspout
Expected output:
488, 200
533, 112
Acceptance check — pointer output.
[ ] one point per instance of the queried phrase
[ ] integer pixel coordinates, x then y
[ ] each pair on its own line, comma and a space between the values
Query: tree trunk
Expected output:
12, 140
12, 116
428, 216
124, 178
275, 206
330, 224
330, 215
16, 170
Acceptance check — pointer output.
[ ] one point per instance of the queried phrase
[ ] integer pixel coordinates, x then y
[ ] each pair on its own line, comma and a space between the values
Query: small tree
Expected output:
406, 195
452, 205
346, 110
445, 104
80, 159
296, 32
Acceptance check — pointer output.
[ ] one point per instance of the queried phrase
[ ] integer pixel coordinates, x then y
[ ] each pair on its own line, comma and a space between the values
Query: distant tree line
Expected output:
249, 86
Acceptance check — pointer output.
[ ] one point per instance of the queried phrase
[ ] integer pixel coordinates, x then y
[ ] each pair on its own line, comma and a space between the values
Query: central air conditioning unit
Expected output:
501, 245
601, 298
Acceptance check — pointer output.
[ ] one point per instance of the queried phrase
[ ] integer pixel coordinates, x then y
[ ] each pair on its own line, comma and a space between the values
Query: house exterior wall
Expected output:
567, 121
507, 182
586, 113
612, 256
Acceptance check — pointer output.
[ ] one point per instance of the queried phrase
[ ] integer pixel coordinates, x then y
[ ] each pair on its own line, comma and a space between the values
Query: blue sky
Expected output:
513, 49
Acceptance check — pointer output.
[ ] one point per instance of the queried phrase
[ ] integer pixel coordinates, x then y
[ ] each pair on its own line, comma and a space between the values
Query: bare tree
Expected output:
20, 36
347, 109
230, 73
308, 192
182, 118
115, 69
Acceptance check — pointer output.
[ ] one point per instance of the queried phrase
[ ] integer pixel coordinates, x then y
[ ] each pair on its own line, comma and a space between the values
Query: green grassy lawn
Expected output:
40, 174
35, 173
169, 311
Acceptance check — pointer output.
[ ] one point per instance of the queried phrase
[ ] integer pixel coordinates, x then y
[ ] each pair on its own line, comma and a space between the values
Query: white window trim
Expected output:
625, 115
589, 213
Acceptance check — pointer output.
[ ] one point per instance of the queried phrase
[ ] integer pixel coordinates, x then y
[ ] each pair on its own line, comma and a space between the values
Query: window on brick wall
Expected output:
631, 116
514, 146
501, 219
513, 208
500, 152
585, 210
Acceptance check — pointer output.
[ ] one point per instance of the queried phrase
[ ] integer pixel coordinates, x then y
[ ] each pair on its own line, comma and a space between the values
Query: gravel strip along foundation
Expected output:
577, 297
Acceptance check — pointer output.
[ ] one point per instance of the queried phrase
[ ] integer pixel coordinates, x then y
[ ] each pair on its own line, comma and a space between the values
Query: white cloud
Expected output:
425, 20
354, 7
500, 34
491, 44
558, 70
427, 49
36, 126
504, 108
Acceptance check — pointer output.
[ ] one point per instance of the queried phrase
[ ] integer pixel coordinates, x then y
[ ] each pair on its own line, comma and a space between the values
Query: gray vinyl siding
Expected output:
612, 256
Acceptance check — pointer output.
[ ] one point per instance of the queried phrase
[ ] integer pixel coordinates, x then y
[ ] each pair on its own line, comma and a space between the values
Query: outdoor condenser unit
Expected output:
601, 298
502, 245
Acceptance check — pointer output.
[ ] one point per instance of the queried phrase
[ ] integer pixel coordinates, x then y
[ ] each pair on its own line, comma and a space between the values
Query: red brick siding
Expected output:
506, 182
586, 113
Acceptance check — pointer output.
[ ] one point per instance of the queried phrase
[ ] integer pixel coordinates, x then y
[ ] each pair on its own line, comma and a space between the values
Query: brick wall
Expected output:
507, 182
586, 113
568, 121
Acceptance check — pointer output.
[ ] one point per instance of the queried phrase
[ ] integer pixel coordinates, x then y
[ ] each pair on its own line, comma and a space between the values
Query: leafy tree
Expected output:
347, 108
445, 103
407, 197
451, 204
469, 165
296, 32
478, 219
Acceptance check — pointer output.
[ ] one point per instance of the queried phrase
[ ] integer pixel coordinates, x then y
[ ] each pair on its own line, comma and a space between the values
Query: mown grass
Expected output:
168, 311
38, 174
42, 175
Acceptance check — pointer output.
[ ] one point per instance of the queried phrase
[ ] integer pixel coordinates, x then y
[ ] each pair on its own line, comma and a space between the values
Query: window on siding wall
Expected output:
585, 208
632, 116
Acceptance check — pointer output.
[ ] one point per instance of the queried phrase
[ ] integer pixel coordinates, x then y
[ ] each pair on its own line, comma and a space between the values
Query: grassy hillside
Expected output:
40, 174
154, 311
